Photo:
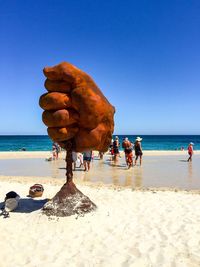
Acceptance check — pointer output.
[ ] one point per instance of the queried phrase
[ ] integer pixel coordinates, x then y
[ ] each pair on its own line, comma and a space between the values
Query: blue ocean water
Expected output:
165, 142
149, 142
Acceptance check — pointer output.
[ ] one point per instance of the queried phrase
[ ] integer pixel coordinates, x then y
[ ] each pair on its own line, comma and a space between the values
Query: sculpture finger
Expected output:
57, 86
62, 134
63, 72
54, 101
60, 118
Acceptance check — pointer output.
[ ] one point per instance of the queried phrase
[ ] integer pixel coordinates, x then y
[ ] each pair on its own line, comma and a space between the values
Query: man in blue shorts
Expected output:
87, 157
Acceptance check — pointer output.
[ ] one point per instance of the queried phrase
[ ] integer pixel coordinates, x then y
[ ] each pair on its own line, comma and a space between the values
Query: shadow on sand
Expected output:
28, 205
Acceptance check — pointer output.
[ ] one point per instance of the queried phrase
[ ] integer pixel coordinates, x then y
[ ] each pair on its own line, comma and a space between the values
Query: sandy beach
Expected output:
132, 226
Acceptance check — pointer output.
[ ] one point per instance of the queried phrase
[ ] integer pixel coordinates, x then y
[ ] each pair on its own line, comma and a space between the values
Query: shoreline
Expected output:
44, 154
168, 171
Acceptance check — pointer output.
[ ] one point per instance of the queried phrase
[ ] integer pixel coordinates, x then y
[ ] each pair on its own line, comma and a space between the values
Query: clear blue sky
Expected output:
144, 55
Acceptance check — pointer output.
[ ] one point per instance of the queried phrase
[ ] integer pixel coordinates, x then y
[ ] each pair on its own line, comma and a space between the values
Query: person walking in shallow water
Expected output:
116, 145
87, 157
138, 150
128, 148
190, 151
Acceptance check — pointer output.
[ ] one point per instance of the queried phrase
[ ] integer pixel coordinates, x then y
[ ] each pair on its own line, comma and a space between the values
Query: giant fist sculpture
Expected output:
76, 108
79, 118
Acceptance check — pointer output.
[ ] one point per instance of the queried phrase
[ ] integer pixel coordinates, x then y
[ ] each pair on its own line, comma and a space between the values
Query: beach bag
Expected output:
11, 202
36, 190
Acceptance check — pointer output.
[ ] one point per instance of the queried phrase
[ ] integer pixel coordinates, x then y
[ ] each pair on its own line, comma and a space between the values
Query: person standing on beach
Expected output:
190, 151
128, 148
111, 150
54, 151
101, 155
74, 159
116, 148
80, 158
138, 150
87, 157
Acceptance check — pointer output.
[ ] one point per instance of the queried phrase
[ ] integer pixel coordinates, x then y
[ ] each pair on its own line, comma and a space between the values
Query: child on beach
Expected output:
190, 151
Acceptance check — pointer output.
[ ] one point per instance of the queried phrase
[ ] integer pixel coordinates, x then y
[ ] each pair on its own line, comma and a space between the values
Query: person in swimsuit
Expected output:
116, 148
111, 150
87, 157
80, 158
138, 150
54, 151
128, 148
74, 159
190, 151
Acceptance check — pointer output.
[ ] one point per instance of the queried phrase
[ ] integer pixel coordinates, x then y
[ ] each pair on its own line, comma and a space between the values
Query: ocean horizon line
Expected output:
112, 135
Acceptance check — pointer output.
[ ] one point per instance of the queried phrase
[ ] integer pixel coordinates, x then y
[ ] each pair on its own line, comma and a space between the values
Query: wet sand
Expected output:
159, 170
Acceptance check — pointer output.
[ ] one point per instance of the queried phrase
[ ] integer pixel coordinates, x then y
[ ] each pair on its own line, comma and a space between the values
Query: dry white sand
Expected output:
129, 228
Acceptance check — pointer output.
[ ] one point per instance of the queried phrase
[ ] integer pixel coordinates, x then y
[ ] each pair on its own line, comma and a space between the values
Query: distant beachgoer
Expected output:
58, 148
80, 158
87, 157
128, 148
74, 159
124, 142
190, 151
92, 155
101, 155
116, 148
111, 150
138, 150
55, 150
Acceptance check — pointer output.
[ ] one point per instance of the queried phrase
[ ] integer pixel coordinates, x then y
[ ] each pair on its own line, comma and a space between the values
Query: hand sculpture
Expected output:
76, 108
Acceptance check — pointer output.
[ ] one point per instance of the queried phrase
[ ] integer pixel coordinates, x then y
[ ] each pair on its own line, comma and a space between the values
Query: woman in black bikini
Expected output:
116, 149
138, 150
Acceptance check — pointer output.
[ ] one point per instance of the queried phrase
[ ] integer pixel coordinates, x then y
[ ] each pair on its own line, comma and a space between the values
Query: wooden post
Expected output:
69, 200
69, 161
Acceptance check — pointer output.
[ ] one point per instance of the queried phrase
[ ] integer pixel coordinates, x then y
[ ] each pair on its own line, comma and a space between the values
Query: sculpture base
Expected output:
68, 201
